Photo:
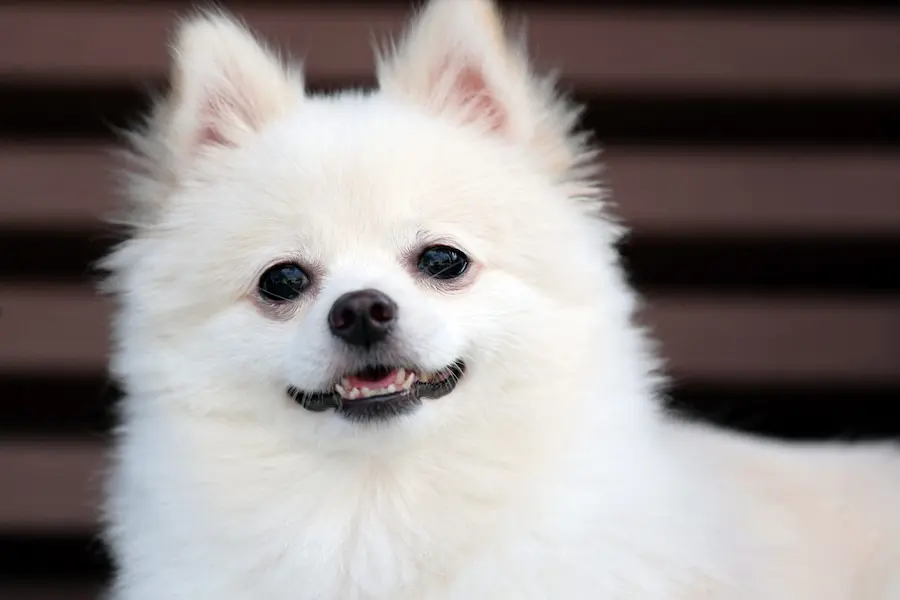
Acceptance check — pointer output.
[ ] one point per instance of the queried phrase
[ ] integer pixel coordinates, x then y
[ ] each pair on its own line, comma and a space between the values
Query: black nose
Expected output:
362, 318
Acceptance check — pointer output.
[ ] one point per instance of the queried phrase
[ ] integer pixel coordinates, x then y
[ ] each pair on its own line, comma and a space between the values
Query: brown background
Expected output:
755, 151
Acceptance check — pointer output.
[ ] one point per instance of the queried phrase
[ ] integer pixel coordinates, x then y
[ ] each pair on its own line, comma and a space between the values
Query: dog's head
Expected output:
429, 252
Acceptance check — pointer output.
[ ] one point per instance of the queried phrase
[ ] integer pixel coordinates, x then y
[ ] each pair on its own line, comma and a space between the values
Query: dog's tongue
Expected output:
373, 381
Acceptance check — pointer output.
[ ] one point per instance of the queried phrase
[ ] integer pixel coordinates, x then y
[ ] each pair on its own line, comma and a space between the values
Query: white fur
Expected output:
548, 473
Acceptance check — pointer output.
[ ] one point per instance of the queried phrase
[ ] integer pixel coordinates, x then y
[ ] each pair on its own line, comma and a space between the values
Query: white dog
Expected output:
379, 346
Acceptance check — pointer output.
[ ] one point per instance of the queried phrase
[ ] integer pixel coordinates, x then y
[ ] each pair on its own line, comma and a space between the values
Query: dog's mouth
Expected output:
380, 392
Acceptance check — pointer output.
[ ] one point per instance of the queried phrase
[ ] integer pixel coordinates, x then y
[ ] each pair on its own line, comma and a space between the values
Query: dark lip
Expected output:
379, 408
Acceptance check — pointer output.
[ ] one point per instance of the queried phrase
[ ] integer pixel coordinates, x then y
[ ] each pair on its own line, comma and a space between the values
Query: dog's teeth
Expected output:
410, 379
403, 381
424, 377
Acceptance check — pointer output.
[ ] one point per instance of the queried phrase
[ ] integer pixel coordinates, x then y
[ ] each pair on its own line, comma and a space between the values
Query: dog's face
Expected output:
336, 263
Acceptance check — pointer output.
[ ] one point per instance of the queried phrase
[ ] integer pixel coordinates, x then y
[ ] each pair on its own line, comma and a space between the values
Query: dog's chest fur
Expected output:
258, 522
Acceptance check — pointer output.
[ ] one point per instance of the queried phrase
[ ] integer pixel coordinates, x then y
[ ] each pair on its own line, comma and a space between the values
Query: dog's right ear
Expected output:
224, 87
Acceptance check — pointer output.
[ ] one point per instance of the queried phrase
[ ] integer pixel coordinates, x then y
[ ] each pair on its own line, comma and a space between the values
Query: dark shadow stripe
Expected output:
763, 120
719, 265
793, 412
763, 266
57, 405
57, 257
75, 557
57, 112
45, 405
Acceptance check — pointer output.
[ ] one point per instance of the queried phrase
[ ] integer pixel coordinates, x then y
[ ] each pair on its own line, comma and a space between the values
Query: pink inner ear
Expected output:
213, 116
472, 92
209, 135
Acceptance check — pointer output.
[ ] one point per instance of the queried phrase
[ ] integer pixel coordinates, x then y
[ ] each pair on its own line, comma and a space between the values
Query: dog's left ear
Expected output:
456, 60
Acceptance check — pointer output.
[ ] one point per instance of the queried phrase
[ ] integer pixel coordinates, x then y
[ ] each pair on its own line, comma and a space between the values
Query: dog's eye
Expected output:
443, 262
283, 282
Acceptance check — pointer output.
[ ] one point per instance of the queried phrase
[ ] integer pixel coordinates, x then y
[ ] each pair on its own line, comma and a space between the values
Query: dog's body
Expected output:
443, 232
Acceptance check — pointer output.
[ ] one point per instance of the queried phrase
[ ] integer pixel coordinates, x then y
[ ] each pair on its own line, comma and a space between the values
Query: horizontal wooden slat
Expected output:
63, 329
602, 49
56, 185
759, 340
656, 190
54, 329
763, 192
50, 485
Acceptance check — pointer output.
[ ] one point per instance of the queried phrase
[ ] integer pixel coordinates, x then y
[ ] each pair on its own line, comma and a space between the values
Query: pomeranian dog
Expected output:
378, 346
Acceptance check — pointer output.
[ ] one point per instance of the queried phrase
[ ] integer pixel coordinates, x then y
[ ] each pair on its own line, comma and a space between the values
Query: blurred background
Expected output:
754, 148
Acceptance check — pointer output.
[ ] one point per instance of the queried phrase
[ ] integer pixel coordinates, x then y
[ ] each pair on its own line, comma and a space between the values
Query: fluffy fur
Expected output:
548, 473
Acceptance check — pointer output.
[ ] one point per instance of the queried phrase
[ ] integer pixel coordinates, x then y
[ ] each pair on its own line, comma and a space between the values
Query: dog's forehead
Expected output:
321, 170
328, 182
